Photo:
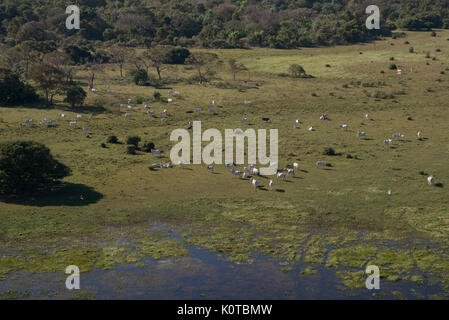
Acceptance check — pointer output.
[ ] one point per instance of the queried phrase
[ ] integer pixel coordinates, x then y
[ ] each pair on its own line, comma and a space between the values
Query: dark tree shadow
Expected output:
66, 194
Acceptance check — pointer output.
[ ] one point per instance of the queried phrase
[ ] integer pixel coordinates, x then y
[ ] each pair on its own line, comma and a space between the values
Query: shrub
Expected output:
140, 77
329, 151
112, 139
411, 50
328, 65
75, 96
297, 71
157, 95
131, 149
393, 66
133, 140
148, 146
27, 166
103, 145
433, 34
391, 58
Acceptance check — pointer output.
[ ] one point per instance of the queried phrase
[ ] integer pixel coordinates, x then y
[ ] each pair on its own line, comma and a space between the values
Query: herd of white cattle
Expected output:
248, 173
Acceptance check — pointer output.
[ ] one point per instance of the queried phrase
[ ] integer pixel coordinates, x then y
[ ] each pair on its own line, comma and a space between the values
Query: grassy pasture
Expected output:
338, 216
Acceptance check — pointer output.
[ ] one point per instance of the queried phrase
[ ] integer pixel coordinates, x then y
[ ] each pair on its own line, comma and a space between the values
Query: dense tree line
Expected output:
214, 23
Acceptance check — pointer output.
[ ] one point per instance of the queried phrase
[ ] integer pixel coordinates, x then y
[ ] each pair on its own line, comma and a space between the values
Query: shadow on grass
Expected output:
66, 194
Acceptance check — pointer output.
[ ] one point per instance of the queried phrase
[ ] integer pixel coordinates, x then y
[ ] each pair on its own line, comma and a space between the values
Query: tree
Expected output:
202, 61
119, 56
49, 79
157, 57
236, 67
75, 96
94, 66
28, 166
297, 71
13, 90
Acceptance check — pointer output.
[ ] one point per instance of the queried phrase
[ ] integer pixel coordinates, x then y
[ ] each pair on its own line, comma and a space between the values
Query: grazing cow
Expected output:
265, 119
367, 116
280, 175
324, 117
430, 180
389, 192
321, 164
62, 115
396, 135
176, 93
344, 126
157, 165
298, 122
255, 172
128, 115
248, 103
94, 90
210, 168
291, 172
271, 184
230, 166
169, 100
419, 135
255, 183
311, 129
245, 175
164, 113
214, 102
155, 151
361, 134
130, 101
73, 123
388, 142
197, 109
79, 117
236, 173
244, 120
296, 166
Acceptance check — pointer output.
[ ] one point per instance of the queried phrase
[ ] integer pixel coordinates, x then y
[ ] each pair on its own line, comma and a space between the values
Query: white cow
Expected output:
361, 134
430, 180
321, 164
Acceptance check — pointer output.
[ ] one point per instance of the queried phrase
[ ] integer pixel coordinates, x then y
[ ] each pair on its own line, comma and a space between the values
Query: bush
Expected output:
103, 145
148, 146
433, 34
140, 77
75, 96
177, 55
329, 151
133, 140
393, 66
157, 95
131, 150
27, 166
411, 50
297, 71
112, 139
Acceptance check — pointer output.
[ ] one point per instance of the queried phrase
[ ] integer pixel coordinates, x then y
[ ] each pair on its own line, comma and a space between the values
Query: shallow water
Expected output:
203, 275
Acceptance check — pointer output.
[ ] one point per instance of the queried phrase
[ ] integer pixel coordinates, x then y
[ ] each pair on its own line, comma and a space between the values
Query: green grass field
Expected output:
340, 217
